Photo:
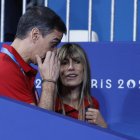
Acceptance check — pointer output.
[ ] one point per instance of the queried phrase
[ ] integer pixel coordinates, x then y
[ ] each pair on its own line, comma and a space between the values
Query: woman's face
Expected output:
71, 72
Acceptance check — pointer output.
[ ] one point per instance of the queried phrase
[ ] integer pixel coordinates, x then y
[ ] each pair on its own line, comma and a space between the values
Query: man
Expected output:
39, 31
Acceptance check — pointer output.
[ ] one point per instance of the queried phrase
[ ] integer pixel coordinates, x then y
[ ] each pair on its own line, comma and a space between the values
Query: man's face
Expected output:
47, 43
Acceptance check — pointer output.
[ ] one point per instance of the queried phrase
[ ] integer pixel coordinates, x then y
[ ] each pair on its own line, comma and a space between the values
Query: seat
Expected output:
80, 36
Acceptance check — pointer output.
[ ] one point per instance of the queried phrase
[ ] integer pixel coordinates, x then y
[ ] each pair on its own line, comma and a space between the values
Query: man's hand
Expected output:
49, 69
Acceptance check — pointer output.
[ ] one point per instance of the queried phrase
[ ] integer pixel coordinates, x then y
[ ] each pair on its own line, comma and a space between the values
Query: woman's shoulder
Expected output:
94, 101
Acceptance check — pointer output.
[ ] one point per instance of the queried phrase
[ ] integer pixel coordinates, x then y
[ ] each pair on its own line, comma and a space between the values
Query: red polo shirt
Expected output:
72, 112
13, 82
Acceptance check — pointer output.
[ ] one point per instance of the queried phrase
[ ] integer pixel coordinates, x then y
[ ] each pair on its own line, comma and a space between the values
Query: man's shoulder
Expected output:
7, 66
4, 58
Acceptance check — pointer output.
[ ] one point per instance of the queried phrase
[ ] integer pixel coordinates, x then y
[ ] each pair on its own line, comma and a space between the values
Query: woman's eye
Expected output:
77, 61
64, 63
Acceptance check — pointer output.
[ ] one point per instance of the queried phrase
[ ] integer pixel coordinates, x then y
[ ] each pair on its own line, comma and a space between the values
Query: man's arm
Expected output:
47, 96
49, 71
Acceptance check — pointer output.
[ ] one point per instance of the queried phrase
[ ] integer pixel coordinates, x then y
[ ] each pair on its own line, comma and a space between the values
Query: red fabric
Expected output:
13, 83
72, 112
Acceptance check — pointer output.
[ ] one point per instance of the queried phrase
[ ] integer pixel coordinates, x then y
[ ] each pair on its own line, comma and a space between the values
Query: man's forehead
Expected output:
57, 33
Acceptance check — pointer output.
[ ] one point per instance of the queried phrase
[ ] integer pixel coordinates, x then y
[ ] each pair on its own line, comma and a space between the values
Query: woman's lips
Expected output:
71, 76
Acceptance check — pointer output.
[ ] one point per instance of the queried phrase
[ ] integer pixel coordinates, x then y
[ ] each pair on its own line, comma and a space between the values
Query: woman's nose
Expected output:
71, 66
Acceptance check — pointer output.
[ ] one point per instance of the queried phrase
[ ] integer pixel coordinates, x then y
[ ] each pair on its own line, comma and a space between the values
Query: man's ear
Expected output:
35, 34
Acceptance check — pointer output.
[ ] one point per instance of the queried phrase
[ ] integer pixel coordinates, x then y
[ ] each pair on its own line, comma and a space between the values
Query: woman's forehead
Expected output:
72, 56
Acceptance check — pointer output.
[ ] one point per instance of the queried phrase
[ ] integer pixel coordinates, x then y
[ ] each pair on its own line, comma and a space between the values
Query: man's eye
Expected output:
54, 44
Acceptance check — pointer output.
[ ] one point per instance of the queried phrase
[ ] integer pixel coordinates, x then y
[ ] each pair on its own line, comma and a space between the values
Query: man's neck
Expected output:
20, 47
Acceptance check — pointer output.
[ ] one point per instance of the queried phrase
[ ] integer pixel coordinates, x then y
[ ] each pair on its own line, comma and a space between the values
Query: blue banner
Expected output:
115, 81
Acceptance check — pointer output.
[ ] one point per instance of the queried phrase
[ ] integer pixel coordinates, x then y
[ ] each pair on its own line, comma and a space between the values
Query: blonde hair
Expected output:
73, 50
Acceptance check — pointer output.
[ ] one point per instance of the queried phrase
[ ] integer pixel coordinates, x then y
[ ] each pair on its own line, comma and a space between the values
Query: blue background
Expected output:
123, 18
119, 103
118, 62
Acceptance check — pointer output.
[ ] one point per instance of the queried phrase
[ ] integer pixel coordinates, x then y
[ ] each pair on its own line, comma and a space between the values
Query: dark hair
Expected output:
43, 18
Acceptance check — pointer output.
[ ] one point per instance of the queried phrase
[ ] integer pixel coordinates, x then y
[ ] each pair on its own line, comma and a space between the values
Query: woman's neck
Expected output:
71, 96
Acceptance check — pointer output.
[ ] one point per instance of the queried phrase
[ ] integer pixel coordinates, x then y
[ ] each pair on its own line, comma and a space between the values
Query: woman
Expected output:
73, 97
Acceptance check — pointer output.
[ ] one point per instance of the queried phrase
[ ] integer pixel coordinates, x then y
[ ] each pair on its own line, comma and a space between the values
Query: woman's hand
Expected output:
94, 116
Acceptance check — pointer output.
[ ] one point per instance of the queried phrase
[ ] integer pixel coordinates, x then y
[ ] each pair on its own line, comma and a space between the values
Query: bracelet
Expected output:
48, 80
